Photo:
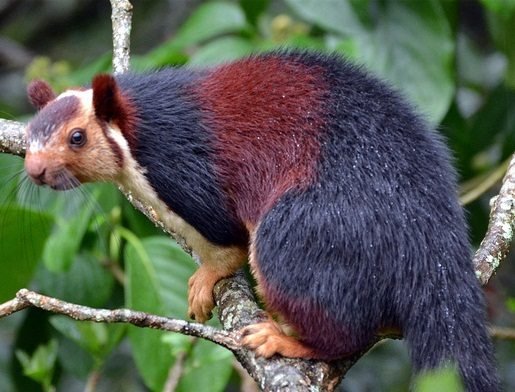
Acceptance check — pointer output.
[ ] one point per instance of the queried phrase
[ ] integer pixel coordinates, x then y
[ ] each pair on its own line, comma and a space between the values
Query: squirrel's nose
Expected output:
35, 168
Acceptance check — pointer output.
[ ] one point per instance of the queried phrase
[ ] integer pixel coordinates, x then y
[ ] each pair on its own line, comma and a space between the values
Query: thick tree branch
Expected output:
495, 246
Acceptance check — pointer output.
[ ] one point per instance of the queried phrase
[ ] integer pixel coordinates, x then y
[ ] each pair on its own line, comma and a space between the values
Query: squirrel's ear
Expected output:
107, 102
40, 93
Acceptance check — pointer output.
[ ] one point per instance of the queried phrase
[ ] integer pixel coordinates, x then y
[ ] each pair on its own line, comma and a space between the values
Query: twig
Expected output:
176, 371
121, 18
92, 381
25, 298
476, 187
115, 270
13, 306
502, 333
496, 244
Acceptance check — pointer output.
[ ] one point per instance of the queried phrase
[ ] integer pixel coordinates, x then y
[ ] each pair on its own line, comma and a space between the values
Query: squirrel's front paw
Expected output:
200, 294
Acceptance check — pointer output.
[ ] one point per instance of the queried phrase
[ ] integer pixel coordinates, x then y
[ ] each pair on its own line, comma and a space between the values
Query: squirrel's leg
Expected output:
306, 273
217, 263
271, 337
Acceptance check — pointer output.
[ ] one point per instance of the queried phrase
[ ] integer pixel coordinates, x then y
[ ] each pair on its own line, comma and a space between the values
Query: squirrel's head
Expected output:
77, 137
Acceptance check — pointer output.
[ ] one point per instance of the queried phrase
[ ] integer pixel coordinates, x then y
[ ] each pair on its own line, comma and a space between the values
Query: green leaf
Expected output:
493, 122
502, 7
210, 359
332, 15
84, 74
442, 380
96, 338
138, 223
74, 359
153, 358
164, 55
89, 335
211, 20
410, 44
502, 26
40, 366
253, 9
16, 188
71, 225
10, 166
510, 304
86, 282
178, 343
157, 272
22, 237
412, 47
221, 50
349, 47
166, 270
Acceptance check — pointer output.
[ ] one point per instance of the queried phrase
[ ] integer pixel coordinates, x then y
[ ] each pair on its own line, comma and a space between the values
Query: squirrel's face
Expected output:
67, 143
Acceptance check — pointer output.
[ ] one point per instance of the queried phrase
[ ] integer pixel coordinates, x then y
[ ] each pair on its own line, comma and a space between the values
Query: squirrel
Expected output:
342, 198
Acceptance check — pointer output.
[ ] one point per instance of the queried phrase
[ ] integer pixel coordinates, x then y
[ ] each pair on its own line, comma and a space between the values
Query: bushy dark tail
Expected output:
449, 328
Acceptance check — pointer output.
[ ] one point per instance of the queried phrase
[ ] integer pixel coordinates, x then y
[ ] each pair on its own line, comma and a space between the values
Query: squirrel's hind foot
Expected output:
268, 338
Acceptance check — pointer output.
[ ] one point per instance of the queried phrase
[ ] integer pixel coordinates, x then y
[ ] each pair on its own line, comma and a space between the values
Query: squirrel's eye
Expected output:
77, 137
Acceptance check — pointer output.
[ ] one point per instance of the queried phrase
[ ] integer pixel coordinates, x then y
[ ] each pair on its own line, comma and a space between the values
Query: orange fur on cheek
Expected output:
95, 161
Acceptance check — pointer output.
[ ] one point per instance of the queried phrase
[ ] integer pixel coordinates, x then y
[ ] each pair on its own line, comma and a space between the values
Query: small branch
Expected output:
502, 333
115, 270
12, 137
121, 18
476, 187
92, 381
13, 306
175, 373
25, 298
499, 236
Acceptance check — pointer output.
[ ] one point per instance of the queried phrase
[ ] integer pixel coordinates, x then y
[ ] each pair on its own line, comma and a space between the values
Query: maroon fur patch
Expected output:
266, 114
112, 106
40, 93
315, 327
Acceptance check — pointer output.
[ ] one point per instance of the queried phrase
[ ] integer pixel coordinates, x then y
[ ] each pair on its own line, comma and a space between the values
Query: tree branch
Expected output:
25, 298
237, 308
12, 137
121, 18
495, 246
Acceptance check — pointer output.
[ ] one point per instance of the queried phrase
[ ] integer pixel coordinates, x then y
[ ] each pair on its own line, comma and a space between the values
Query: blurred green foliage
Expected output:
90, 246
443, 380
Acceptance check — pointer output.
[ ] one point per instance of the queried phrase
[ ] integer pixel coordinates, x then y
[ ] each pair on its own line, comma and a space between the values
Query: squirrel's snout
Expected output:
36, 168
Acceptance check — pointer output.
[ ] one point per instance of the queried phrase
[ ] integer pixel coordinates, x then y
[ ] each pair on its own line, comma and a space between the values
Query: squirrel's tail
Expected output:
449, 328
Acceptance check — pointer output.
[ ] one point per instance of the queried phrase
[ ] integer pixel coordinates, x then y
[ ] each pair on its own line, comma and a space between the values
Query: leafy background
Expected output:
454, 59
